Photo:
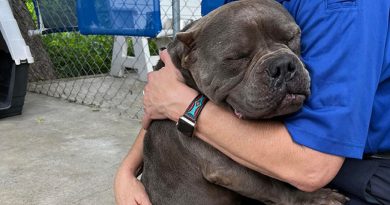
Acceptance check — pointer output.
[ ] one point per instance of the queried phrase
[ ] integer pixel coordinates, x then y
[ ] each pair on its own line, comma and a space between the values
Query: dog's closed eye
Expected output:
238, 56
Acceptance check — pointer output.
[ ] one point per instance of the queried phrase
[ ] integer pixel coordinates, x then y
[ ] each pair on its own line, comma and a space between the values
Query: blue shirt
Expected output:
346, 48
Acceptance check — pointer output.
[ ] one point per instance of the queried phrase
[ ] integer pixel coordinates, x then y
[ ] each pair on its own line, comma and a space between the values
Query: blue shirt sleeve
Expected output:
344, 58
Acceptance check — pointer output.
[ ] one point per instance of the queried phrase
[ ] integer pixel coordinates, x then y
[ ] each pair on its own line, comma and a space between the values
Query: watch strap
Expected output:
193, 111
187, 122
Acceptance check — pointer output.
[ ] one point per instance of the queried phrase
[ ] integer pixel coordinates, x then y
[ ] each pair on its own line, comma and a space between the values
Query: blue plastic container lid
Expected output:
119, 17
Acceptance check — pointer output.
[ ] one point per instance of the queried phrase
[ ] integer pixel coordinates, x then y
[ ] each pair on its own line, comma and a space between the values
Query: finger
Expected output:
169, 66
150, 76
132, 202
127, 201
144, 199
166, 58
146, 121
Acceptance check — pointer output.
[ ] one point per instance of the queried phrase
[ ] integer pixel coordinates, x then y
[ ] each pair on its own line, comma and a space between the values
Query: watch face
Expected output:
185, 127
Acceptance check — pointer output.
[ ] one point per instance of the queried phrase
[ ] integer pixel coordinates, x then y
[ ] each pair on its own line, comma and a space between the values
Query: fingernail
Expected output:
162, 48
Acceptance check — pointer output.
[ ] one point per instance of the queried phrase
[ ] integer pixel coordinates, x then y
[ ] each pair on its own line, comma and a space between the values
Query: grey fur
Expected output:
244, 56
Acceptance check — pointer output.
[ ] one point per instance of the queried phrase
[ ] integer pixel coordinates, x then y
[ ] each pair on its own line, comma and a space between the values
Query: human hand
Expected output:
165, 94
129, 190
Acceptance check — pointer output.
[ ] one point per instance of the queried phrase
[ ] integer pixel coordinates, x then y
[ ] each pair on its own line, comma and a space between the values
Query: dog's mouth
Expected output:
289, 104
238, 114
292, 99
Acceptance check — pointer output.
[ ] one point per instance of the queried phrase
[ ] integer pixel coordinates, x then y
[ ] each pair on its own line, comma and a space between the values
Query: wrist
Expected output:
184, 100
127, 170
206, 118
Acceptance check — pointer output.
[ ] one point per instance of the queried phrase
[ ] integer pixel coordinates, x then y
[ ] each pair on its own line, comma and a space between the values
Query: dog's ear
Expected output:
181, 57
186, 37
186, 44
189, 33
181, 50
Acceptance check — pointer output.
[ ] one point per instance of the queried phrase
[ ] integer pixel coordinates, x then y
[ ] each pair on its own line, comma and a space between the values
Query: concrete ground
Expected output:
61, 153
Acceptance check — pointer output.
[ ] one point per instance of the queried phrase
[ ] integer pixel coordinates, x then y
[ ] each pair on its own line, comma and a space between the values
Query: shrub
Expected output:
76, 55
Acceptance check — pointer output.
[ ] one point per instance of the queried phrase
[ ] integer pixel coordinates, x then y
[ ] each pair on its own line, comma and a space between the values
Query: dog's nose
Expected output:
282, 69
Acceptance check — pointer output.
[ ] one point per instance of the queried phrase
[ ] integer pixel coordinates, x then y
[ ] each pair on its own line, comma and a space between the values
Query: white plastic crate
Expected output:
10, 31
15, 57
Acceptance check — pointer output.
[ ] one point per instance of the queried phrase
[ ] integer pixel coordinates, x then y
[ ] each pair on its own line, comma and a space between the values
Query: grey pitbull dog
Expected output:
243, 56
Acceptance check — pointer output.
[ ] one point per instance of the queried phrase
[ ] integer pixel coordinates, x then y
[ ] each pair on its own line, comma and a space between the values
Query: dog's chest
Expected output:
172, 172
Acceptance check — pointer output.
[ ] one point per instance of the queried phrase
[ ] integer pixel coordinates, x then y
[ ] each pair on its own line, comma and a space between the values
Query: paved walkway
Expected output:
61, 153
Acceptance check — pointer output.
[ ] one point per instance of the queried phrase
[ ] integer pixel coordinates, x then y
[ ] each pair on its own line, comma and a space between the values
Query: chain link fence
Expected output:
102, 71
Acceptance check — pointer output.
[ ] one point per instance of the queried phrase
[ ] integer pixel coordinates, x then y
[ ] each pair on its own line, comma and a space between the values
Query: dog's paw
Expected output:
324, 197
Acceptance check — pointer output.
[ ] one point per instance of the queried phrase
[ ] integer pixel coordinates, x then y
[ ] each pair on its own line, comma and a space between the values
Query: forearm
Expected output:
127, 188
133, 160
266, 147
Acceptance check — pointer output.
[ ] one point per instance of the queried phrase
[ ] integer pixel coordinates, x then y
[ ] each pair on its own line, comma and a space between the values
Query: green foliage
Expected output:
76, 55
30, 7
153, 47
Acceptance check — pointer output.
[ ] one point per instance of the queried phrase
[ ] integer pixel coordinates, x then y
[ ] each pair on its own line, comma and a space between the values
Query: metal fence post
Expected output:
176, 16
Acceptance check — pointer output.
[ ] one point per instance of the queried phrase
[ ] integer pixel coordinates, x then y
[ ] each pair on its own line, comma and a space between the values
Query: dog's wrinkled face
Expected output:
245, 56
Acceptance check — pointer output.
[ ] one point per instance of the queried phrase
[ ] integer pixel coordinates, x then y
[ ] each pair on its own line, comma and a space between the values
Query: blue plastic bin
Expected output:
210, 5
119, 17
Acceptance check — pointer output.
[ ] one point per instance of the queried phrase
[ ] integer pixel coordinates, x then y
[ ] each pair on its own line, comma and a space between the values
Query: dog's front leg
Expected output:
223, 171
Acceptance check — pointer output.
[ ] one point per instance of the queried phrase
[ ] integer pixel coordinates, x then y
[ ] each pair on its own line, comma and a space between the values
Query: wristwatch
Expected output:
187, 122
